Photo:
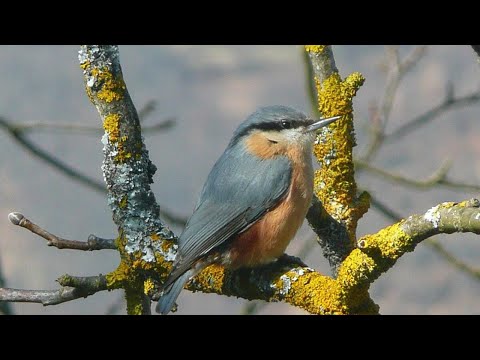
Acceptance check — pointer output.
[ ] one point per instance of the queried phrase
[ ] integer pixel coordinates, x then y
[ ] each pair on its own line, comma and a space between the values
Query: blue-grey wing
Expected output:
239, 190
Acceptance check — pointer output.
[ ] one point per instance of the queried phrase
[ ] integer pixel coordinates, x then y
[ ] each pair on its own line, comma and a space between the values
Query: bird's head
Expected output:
280, 125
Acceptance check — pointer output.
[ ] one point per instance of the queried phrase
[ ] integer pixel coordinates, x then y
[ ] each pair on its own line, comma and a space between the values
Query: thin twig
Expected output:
147, 109
84, 287
438, 178
73, 174
93, 243
85, 129
431, 114
453, 260
432, 180
398, 69
50, 159
310, 83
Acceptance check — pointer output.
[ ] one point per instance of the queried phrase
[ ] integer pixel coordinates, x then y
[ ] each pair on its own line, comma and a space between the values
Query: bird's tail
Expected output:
170, 294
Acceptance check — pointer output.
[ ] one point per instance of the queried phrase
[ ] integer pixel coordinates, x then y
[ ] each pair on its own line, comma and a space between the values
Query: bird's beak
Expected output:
321, 123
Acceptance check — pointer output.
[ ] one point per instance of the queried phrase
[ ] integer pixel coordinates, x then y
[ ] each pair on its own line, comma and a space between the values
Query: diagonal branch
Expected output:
84, 287
432, 114
84, 129
397, 70
434, 179
93, 243
389, 244
50, 159
431, 242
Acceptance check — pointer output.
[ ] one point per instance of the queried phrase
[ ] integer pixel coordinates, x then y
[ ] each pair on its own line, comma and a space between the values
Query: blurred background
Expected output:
209, 90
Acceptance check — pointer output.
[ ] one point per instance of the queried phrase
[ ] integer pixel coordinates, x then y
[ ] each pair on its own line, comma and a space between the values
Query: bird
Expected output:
254, 200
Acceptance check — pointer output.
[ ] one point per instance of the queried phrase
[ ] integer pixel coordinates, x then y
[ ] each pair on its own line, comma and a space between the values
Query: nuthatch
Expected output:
254, 200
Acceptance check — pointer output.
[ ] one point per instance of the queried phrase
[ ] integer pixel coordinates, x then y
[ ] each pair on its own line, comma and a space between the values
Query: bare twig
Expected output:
84, 129
84, 287
93, 243
431, 114
453, 260
438, 178
384, 209
70, 172
310, 83
398, 69
147, 109
434, 179
50, 159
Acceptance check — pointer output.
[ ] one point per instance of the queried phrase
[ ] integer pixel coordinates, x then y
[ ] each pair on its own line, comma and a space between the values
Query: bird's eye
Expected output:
286, 124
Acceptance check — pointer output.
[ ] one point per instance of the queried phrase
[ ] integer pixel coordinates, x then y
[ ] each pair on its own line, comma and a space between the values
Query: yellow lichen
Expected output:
211, 278
112, 89
155, 237
355, 270
392, 242
315, 293
111, 124
118, 277
148, 286
123, 202
315, 48
334, 182
84, 65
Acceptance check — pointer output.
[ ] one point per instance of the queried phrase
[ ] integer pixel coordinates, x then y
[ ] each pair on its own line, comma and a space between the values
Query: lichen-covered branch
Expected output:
93, 243
72, 288
335, 187
290, 281
286, 280
144, 242
386, 246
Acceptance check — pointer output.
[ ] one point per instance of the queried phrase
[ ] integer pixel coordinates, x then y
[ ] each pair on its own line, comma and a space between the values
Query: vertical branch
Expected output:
335, 184
128, 173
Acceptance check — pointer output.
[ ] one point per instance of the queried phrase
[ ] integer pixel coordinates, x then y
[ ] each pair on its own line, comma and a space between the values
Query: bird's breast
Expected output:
268, 238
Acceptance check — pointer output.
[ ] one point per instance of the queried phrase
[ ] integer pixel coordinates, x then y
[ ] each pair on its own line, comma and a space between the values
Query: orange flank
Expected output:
268, 238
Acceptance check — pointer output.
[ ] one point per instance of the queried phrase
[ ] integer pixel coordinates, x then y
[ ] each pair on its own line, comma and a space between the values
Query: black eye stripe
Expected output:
269, 126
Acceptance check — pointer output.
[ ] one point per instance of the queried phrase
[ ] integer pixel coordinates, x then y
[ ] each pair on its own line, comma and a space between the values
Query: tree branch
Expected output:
430, 115
70, 172
128, 173
93, 243
436, 179
386, 246
397, 70
84, 287
85, 129
335, 221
